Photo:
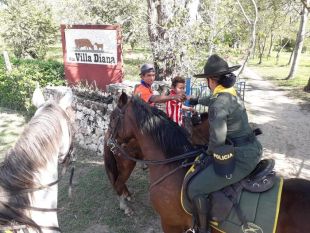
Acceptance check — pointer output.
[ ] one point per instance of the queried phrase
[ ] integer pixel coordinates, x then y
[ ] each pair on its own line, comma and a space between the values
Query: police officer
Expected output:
233, 149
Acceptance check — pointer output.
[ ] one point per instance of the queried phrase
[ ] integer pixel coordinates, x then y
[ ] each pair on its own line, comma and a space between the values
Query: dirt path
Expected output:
285, 125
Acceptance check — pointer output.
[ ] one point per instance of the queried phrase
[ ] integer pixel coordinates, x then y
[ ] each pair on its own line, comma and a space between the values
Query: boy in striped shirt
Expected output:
175, 109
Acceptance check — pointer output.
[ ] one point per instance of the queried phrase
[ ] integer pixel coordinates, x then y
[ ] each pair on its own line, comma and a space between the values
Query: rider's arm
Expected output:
165, 98
218, 125
201, 100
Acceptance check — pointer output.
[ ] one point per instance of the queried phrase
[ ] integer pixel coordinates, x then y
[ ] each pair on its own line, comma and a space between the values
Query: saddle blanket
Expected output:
261, 211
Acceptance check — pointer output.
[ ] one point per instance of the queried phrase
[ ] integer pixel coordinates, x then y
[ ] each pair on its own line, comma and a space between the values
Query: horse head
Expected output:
65, 114
120, 126
29, 179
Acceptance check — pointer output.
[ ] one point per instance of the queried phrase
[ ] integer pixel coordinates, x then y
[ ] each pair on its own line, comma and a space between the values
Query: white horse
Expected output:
29, 172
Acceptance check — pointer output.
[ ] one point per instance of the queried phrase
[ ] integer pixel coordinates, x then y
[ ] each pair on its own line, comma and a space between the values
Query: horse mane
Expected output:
35, 147
168, 135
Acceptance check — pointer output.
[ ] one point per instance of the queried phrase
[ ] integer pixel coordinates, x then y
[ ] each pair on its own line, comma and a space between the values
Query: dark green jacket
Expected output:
227, 118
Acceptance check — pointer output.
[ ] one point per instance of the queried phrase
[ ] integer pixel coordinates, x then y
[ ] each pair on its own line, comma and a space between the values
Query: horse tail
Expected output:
110, 163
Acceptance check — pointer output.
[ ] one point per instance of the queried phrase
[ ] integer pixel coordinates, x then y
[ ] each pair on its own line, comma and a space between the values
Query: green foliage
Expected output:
16, 87
288, 44
131, 15
28, 28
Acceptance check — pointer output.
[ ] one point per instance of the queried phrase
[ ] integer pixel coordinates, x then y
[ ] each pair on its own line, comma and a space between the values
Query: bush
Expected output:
28, 28
17, 86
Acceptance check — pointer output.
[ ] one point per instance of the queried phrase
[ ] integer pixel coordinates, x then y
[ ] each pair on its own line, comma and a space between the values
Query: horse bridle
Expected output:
115, 147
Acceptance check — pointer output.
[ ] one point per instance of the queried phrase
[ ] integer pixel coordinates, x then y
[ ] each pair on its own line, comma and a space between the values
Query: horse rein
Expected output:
116, 147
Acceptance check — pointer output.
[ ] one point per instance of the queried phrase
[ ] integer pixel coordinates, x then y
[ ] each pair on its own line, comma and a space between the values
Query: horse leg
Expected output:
295, 207
172, 229
125, 168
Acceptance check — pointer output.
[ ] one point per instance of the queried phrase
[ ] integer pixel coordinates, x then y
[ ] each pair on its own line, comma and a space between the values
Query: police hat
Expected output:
146, 68
216, 66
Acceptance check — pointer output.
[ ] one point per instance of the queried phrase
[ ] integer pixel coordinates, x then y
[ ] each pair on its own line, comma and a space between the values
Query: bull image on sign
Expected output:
80, 43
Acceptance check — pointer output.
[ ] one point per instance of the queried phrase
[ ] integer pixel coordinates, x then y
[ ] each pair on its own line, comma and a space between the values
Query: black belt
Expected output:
244, 140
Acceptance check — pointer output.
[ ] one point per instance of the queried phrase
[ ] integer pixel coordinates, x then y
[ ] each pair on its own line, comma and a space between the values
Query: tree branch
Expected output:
245, 15
306, 5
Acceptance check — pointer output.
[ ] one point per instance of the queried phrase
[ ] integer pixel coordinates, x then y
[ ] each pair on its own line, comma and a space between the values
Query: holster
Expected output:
224, 160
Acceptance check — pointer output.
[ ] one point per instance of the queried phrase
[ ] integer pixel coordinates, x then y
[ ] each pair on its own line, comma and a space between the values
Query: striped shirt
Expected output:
174, 110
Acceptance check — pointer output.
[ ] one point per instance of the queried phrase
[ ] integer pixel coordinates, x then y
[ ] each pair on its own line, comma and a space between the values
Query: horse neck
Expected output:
150, 151
47, 197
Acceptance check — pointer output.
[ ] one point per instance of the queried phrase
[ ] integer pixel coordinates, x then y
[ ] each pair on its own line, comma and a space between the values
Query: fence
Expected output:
200, 88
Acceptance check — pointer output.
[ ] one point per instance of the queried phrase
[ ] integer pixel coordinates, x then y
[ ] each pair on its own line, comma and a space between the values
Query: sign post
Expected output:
92, 54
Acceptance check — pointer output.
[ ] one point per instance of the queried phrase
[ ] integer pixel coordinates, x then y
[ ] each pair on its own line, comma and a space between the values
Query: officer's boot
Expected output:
202, 208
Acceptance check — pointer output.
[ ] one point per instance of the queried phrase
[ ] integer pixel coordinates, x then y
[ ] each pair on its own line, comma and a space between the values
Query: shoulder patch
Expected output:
212, 114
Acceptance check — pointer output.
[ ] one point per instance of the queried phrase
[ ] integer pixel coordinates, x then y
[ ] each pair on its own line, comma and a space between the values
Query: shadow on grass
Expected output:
95, 202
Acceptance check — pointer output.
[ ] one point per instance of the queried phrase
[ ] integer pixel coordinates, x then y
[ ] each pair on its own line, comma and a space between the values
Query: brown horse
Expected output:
159, 139
119, 169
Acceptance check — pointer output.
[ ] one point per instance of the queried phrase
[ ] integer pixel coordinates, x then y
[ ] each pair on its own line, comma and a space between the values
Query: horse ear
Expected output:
122, 99
66, 101
37, 97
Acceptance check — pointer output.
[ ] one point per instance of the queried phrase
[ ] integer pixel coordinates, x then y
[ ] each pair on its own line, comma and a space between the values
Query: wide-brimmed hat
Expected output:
146, 68
216, 66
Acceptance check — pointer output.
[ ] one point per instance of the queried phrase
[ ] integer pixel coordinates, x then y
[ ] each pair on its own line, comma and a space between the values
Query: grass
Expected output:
11, 125
278, 72
94, 201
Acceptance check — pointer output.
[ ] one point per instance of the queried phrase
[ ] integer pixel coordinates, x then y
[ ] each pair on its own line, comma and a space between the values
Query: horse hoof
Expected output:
129, 198
128, 212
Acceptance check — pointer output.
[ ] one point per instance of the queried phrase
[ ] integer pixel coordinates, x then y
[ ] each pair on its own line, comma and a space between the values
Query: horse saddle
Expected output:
222, 201
260, 180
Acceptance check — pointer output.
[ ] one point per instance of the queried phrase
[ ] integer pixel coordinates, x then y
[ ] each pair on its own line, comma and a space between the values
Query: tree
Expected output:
28, 27
252, 24
307, 6
172, 33
299, 40
129, 14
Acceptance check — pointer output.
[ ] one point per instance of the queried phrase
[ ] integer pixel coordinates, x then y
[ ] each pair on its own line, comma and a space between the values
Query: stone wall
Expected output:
93, 110
91, 117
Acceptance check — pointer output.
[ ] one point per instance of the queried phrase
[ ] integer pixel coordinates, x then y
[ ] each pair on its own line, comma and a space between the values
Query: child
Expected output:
147, 74
173, 108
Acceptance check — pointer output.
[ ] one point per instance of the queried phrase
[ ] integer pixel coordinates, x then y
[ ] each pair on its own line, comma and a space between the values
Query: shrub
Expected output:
28, 28
17, 86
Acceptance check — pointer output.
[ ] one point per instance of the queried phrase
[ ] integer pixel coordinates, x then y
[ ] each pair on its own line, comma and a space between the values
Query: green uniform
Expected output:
227, 119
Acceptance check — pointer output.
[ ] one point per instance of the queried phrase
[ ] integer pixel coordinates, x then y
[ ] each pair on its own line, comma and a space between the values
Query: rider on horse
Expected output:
233, 149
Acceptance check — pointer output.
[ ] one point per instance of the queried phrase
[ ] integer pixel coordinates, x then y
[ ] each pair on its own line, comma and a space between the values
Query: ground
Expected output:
285, 123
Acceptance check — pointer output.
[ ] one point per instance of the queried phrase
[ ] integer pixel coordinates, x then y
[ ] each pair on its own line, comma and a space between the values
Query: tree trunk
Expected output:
307, 87
280, 50
213, 23
164, 39
299, 42
7, 61
253, 33
291, 56
262, 50
270, 46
